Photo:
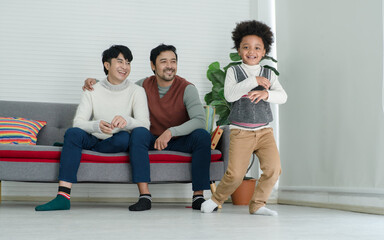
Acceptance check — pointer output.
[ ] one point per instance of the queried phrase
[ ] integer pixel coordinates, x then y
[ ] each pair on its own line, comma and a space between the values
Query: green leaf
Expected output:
222, 111
221, 94
208, 98
216, 76
273, 69
214, 66
215, 92
222, 108
222, 122
234, 57
216, 103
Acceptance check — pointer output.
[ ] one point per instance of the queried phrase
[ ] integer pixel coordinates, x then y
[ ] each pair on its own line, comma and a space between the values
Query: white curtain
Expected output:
332, 127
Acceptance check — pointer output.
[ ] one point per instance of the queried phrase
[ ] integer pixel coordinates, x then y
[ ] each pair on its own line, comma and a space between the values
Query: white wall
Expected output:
332, 127
48, 48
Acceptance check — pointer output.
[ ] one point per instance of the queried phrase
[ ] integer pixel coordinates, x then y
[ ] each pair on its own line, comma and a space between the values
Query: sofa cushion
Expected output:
18, 153
16, 130
58, 116
210, 113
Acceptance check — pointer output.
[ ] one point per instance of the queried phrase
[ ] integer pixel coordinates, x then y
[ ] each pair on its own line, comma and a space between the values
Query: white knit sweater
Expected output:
107, 101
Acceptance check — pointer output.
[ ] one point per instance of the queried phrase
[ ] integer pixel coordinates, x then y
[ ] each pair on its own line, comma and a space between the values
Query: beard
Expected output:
167, 77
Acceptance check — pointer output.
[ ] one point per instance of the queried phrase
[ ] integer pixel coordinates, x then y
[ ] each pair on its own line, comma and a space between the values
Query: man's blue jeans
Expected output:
198, 143
76, 139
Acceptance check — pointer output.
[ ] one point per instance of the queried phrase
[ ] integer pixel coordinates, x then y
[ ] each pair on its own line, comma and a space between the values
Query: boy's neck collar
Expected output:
252, 66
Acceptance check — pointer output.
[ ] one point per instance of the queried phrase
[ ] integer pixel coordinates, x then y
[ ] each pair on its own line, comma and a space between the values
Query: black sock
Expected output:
197, 200
65, 190
144, 203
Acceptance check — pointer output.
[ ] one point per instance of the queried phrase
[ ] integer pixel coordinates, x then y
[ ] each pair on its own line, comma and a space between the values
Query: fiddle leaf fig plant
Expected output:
217, 75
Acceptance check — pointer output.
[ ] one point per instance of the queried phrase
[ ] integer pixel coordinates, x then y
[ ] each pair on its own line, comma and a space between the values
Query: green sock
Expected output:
58, 203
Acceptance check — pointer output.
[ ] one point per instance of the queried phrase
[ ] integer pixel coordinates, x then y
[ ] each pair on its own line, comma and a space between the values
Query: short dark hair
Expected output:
253, 27
159, 49
113, 52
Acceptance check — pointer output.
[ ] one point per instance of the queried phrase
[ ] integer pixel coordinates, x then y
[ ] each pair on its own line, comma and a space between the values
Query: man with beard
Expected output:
177, 124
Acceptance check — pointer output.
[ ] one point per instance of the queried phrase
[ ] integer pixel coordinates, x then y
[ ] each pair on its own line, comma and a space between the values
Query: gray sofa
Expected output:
40, 163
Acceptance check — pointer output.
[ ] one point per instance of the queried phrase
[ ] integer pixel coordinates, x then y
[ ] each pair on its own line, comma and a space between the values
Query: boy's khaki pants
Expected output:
242, 144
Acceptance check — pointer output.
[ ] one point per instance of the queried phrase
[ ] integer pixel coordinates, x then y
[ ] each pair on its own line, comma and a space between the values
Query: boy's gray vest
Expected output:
245, 111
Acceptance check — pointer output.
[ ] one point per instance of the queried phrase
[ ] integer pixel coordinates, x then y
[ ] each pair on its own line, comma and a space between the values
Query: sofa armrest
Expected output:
223, 145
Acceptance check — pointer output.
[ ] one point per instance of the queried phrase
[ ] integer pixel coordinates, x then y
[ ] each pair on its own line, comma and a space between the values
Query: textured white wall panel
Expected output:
48, 48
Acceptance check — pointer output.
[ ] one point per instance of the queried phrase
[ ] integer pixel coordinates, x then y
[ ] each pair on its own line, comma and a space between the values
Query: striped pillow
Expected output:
210, 113
19, 130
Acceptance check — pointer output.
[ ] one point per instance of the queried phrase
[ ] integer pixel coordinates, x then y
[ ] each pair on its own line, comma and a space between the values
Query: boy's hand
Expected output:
118, 122
257, 96
264, 82
105, 127
162, 141
88, 84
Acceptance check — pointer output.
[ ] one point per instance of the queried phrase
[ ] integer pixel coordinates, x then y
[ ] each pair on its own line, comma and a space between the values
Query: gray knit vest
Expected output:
245, 111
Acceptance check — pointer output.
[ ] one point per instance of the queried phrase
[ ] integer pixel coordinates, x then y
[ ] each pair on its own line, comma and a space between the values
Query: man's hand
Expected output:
105, 127
264, 82
162, 140
88, 84
118, 122
257, 96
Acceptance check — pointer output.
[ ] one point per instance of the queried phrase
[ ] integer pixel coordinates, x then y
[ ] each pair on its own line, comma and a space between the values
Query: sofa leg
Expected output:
213, 189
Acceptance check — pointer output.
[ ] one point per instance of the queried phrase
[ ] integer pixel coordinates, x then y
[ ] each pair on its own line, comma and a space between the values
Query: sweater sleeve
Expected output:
140, 82
140, 111
195, 111
233, 90
84, 113
276, 92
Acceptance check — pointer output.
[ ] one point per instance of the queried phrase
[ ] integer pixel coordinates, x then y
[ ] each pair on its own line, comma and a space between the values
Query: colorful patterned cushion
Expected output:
210, 113
19, 130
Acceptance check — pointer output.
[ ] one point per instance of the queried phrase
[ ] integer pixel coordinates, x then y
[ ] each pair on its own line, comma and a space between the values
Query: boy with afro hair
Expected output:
251, 88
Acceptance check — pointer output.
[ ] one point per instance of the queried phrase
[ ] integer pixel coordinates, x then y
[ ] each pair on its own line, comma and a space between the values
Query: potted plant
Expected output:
244, 192
216, 99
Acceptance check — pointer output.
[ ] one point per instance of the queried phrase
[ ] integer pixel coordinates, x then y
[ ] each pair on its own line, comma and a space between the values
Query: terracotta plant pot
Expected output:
244, 192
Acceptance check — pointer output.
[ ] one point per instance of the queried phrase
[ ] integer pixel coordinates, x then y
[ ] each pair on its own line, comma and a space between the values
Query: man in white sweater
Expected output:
103, 121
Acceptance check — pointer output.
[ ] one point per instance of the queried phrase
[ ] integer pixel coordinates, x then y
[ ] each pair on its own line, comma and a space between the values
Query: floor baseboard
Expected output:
363, 202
